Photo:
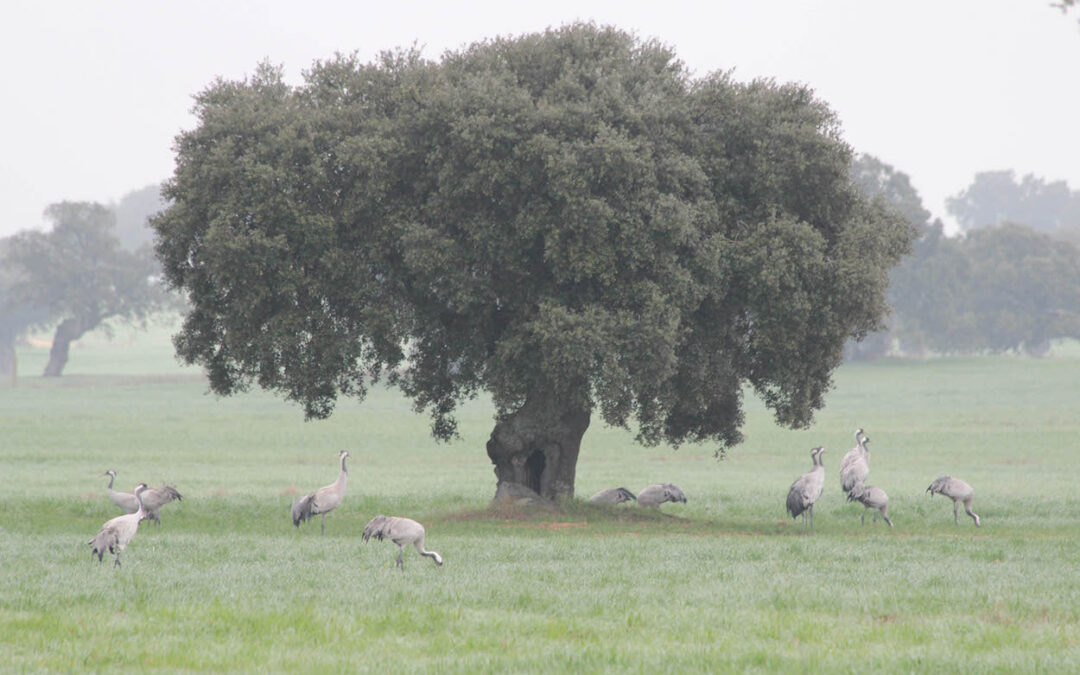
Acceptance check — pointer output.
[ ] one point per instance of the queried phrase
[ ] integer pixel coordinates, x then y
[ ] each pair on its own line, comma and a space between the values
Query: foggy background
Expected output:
93, 93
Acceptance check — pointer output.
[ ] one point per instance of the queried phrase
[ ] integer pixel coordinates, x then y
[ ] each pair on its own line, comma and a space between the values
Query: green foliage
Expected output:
1000, 288
566, 212
133, 213
78, 270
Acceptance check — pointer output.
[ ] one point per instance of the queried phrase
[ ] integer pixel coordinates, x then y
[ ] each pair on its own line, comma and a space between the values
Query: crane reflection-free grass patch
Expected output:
726, 581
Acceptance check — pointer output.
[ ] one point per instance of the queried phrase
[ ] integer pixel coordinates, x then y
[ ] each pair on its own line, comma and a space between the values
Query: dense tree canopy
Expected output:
79, 274
566, 220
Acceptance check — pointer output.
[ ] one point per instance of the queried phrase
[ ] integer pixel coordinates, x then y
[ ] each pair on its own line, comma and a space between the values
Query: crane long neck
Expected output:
138, 496
343, 477
112, 477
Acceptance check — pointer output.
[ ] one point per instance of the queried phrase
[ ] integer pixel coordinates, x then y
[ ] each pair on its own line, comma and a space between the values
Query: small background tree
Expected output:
78, 273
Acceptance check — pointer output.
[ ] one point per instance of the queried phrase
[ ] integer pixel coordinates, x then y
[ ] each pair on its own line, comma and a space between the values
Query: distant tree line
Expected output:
94, 267
1011, 282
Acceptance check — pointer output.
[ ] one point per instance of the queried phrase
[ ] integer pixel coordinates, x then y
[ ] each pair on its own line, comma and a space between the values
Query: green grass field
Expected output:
726, 582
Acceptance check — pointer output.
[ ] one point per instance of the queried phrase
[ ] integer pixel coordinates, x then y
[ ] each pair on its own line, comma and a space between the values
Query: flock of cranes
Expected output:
854, 470
651, 496
145, 503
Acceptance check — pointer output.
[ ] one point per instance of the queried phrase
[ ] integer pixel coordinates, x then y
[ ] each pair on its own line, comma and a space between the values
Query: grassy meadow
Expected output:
726, 582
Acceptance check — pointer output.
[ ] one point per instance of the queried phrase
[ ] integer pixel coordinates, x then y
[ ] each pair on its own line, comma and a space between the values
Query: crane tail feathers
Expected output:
376, 527
303, 509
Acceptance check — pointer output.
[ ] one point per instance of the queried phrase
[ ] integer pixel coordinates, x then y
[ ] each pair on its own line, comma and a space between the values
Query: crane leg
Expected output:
323, 517
864, 516
116, 563
955, 515
811, 517
967, 507
400, 559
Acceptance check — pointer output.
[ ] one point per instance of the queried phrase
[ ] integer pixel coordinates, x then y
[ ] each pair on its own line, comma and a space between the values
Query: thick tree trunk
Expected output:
537, 446
8, 363
67, 332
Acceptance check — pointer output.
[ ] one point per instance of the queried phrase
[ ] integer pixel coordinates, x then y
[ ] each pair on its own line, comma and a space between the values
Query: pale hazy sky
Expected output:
92, 93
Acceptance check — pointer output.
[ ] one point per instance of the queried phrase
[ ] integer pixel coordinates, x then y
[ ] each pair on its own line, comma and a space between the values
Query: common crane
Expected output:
958, 491
806, 489
117, 532
324, 500
855, 466
871, 497
401, 531
616, 495
655, 495
153, 498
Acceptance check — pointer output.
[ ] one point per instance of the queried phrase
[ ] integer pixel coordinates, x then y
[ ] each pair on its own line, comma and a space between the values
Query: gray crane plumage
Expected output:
871, 497
153, 498
117, 532
324, 500
615, 495
959, 492
401, 531
655, 495
806, 489
125, 500
855, 466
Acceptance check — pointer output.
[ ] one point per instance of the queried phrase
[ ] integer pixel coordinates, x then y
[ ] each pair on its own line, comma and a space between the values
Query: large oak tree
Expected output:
567, 220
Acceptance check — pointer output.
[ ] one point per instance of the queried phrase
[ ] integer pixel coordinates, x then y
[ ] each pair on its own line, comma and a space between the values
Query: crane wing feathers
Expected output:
378, 527
303, 509
154, 498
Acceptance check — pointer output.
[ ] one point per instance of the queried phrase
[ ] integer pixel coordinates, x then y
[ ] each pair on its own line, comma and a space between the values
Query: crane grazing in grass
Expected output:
324, 500
958, 491
655, 495
871, 497
153, 498
616, 495
806, 489
401, 531
855, 466
117, 532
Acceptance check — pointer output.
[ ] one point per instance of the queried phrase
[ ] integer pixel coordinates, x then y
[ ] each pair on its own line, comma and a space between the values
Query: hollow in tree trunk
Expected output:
67, 332
537, 446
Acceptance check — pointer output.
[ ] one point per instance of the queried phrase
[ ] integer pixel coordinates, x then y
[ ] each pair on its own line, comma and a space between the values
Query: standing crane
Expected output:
871, 497
616, 495
324, 500
117, 532
855, 466
806, 489
958, 491
401, 531
655, 495
153, 498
